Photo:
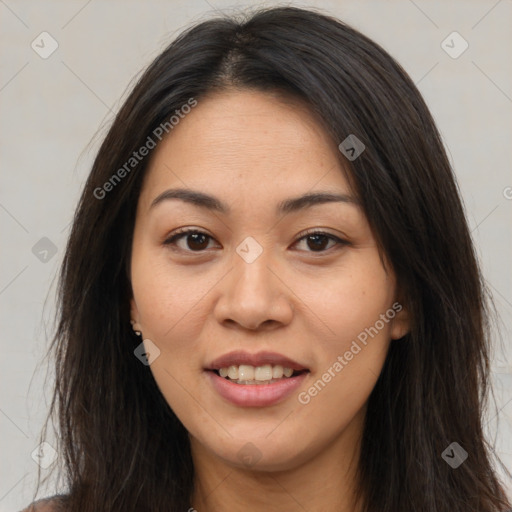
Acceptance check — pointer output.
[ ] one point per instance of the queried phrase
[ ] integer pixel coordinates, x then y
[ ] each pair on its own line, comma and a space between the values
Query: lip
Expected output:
239, 357
255, 395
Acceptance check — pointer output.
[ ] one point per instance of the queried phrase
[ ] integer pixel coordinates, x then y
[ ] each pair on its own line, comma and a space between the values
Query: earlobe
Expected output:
134, 315
400, 324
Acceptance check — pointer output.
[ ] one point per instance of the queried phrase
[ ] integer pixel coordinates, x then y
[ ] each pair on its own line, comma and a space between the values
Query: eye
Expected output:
197, 241
317, 240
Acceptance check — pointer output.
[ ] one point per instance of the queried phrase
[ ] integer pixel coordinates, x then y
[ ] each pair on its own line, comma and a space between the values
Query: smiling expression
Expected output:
232, 260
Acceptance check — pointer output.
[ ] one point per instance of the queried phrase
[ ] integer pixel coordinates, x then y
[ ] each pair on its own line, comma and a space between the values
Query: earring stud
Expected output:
136, 328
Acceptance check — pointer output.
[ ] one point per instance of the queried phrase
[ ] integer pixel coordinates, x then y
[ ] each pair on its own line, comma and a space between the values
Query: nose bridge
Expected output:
252, 280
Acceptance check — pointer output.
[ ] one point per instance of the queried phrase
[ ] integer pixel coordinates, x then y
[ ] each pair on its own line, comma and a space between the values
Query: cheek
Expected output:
168, 303
171, 300
350, 300
356, 310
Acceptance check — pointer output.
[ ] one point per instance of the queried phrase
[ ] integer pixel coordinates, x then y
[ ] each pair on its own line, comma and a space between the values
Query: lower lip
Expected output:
255, 395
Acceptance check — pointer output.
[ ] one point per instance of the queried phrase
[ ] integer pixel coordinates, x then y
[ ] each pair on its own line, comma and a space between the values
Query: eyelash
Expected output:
183, 232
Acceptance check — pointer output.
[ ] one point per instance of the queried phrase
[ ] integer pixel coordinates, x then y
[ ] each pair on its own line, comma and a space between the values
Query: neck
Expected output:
322, 483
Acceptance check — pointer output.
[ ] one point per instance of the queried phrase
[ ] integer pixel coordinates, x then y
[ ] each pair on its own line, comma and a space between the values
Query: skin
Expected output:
252, 150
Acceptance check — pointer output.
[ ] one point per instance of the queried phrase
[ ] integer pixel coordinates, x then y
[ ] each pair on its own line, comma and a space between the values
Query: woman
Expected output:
270, 298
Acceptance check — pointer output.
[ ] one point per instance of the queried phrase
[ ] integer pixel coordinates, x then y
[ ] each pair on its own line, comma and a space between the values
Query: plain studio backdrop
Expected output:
66, 66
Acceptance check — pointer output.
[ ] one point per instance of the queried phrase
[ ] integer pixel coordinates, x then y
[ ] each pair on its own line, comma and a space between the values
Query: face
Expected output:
251, 281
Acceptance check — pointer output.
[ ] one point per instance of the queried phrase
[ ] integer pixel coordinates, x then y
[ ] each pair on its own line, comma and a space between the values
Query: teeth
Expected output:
247, 373
263, 372
233, 372
277, 371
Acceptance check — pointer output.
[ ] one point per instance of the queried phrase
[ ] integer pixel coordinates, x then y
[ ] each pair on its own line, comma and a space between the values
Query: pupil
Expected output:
194, 237
317, 245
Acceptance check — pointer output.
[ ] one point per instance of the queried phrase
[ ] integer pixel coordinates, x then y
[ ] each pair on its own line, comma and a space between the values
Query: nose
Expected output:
254, 296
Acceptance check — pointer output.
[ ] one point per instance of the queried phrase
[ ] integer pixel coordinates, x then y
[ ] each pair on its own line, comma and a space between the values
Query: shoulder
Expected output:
52, 504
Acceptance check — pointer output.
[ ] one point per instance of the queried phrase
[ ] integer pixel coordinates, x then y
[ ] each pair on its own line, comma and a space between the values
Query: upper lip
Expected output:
239, 357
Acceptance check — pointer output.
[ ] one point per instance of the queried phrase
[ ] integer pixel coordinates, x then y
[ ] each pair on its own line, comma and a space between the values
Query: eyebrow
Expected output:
287, 206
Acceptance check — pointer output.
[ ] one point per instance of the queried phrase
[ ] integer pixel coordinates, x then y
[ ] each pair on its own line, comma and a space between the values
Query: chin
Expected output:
267, 454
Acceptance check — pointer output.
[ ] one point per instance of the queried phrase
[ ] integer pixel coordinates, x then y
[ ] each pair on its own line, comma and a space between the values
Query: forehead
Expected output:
246, 144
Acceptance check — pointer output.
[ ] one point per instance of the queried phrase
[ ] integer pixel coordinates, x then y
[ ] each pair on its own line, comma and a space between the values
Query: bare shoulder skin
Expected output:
51, 504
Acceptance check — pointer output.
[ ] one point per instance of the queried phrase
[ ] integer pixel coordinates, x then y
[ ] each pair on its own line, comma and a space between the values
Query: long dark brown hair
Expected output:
122, 447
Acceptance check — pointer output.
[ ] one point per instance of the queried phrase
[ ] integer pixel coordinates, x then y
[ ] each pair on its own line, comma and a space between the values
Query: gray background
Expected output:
56, 110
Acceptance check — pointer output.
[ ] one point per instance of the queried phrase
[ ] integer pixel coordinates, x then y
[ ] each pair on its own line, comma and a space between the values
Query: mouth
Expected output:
257, 375
255, 380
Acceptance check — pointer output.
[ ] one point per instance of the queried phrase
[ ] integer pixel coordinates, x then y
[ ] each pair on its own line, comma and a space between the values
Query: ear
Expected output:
400, 324
134, 311
134, 316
